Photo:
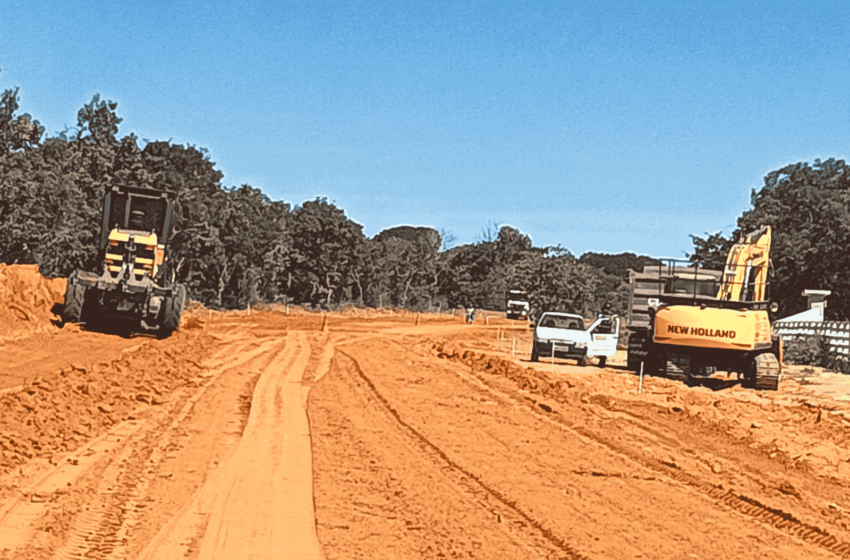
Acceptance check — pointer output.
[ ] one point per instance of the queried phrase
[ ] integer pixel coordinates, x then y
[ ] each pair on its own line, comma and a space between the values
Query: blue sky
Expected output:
604, 126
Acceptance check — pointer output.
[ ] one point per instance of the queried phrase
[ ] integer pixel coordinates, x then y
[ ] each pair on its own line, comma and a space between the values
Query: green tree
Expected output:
402, 267
17, 132
806, 206
326, 246
710, 252
252, 229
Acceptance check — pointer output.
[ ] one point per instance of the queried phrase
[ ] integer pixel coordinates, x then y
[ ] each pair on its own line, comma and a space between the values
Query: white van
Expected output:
563, 335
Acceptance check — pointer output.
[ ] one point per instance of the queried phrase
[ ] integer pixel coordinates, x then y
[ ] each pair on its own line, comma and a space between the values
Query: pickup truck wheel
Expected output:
535, 357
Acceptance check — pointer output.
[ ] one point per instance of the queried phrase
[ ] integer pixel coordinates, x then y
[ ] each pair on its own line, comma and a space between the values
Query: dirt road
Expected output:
273, 436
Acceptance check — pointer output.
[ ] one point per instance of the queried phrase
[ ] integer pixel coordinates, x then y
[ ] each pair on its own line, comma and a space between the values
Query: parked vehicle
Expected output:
564, 336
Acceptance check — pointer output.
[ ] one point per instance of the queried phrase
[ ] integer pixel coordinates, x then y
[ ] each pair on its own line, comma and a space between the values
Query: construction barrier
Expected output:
836, 333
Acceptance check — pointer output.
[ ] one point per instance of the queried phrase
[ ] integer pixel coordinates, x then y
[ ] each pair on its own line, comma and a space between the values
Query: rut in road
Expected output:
468, 481
773, 517
260, 505
105, 526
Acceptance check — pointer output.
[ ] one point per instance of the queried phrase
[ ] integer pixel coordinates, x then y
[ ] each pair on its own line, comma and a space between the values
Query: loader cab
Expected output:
134, 209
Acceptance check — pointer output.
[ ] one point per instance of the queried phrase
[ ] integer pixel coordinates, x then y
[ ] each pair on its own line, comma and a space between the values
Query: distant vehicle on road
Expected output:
516, 304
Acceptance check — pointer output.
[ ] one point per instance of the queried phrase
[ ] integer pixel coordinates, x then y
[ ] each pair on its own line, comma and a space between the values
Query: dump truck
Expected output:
132, 286
687, 322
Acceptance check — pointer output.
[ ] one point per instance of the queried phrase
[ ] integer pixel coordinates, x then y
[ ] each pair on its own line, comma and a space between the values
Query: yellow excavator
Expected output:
695, 330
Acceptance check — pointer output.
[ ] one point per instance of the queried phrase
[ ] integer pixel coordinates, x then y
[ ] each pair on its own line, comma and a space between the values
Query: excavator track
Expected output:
679, 367
767, 372
677, 370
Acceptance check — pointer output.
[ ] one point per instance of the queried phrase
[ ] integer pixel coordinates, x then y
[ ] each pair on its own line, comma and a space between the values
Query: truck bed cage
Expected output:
681, 282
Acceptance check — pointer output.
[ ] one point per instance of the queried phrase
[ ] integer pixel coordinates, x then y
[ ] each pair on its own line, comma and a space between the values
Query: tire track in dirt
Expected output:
260, 503
104, 528
465, 479
775, 518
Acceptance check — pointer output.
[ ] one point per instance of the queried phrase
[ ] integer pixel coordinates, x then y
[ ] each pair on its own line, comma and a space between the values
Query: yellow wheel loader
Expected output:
700, 321
133, 286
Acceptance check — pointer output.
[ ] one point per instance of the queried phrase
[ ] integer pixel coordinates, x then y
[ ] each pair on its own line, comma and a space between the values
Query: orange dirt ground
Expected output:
276, 435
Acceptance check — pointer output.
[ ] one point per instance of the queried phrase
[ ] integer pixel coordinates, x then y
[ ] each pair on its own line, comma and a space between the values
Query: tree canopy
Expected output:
234, 246
806, 206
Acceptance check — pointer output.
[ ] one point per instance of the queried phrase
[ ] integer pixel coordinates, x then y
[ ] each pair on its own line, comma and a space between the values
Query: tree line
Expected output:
234, 246
808, 209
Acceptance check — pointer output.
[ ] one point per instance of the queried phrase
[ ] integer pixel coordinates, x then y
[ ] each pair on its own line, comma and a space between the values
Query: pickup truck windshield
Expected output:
553, 321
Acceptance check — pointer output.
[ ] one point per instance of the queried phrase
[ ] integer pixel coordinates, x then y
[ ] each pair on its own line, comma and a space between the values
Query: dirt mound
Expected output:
802, 432
26, 300
49, 417
526, 379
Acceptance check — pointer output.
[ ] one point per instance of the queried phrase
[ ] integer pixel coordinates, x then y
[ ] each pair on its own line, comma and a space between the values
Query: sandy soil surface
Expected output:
395, 436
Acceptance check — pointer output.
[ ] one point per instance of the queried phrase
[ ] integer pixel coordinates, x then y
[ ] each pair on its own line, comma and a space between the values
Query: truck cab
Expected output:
516, 305
564, 336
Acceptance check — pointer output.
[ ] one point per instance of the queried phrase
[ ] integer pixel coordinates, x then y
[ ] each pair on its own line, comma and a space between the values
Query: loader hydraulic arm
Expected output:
745, 275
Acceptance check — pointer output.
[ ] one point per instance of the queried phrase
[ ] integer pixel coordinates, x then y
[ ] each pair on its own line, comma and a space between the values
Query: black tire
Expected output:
93, 315
535, 357
602, 361
656, 363
75, 301
172, 310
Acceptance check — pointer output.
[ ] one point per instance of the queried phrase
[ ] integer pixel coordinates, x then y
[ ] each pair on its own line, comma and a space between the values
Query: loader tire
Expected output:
75, 300
603, 360
173, 309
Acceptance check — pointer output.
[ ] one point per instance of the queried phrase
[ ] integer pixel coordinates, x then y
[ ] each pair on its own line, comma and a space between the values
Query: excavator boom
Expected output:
745, 275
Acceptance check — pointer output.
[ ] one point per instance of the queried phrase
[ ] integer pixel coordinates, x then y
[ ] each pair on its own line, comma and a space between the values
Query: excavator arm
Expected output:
745, 274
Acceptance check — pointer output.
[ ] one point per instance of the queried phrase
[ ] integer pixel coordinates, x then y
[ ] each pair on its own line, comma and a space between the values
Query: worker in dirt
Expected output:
470, 315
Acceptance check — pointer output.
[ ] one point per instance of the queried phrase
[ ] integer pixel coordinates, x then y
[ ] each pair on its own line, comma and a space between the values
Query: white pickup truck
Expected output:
563, 335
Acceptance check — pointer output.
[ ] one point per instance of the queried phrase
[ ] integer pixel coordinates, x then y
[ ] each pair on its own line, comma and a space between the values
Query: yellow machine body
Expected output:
728, 328
711, 327
153, 258
745, 275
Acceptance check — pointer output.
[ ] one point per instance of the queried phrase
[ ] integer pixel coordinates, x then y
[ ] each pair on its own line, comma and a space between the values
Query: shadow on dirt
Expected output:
57, 310
713, 383
114, 327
